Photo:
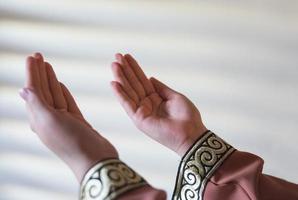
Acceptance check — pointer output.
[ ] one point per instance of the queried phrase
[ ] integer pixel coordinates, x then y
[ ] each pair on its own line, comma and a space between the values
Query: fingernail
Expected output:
112, 83
37, 55
24, 93
118, 56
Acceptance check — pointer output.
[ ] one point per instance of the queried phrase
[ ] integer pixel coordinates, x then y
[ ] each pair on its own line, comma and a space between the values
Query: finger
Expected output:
32, 75
127, 103
120, 78
130, 76
55, 88
71, 103
163, 90
140, 74
44, 79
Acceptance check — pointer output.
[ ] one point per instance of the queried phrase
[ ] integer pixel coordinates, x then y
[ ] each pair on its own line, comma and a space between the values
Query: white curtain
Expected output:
236, 60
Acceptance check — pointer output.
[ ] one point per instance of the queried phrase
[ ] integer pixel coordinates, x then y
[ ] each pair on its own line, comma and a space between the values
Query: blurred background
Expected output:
236, 60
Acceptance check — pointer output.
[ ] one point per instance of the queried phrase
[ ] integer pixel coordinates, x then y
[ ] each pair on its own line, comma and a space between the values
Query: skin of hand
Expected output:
57, 120
163, 114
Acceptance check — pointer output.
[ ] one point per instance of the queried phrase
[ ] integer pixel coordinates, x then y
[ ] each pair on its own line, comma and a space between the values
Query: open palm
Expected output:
162, 113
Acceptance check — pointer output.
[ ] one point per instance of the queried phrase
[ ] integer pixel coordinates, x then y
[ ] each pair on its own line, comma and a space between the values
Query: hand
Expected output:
57, 120
162, 113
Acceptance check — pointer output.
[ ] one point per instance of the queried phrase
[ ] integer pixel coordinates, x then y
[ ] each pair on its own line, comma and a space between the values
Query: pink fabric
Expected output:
144, 193
240, 178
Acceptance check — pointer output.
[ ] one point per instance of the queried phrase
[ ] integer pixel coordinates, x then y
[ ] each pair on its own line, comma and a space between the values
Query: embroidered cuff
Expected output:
198, 165
109, 179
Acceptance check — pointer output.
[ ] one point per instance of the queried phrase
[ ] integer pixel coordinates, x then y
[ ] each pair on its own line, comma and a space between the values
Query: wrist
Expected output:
82, 163
87, 154
190, 140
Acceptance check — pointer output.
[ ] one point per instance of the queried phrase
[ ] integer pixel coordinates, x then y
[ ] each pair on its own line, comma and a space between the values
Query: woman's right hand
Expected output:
57, 120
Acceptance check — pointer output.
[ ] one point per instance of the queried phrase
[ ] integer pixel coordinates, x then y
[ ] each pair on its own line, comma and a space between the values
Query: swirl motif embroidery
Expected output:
108, 179
198, 165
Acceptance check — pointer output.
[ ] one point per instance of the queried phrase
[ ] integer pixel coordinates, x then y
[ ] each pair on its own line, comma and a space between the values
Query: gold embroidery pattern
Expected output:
198, 165
108, 179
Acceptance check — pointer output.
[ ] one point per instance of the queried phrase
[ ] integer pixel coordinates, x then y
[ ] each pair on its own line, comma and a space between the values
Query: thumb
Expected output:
163, 90
33, 100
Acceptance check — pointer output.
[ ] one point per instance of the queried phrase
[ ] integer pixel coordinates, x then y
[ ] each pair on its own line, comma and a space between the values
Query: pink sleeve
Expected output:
112, 179
210, 170
240, 177
213, 170
144, 193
